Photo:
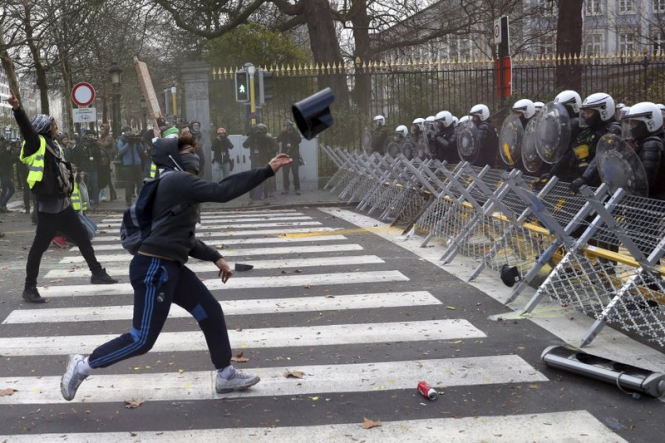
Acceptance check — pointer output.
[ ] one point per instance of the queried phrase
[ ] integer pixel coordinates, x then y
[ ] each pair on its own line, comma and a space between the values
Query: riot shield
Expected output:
510, 140
367, 141
393, 149
620, 167
423, 151
468, 145
530, 158
553, 132
408, 148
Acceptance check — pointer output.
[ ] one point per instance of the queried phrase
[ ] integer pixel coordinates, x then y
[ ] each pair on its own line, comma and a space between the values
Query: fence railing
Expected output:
403, 90
600, 250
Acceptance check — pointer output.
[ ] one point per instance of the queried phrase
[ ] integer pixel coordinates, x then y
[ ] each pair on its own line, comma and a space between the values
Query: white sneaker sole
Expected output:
239, 388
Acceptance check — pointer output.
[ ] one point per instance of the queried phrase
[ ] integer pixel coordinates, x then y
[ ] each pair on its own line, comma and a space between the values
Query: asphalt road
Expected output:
359, 310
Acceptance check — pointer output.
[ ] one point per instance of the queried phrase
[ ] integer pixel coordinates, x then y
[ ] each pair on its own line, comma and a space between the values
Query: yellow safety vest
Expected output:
153, 170
36, 161
78, 203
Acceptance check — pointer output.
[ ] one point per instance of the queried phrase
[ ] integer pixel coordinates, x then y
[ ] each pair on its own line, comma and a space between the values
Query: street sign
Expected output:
84, 115
83, 94
497, 31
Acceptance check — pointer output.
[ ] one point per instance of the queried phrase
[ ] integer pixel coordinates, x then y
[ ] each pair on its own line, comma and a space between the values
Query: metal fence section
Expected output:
600, 252
403, 90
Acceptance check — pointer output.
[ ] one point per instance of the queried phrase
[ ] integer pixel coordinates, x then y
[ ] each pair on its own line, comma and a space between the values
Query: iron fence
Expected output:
405, 90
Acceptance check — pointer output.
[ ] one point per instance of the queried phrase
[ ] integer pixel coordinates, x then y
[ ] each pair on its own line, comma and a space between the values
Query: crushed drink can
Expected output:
427, 391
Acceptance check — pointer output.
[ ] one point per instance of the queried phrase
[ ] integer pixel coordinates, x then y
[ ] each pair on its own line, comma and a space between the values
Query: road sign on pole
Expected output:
83, 94
84, 115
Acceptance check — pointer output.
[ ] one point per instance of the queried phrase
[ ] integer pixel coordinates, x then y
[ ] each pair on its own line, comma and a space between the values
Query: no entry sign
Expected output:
83, 94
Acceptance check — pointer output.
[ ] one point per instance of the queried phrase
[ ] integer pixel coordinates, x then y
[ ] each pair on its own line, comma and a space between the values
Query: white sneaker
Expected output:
237, 381
102, 195
72, 378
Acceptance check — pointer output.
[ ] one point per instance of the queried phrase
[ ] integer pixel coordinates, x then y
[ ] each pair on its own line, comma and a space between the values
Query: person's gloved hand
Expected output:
576, 185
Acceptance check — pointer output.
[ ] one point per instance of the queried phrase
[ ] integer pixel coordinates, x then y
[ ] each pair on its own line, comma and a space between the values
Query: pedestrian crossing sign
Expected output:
242, 86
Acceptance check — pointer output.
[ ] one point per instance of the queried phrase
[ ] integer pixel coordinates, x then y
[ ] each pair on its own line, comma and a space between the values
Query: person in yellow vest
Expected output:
43, 155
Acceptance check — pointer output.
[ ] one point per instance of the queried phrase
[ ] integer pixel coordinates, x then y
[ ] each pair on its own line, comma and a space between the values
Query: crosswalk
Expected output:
347, 318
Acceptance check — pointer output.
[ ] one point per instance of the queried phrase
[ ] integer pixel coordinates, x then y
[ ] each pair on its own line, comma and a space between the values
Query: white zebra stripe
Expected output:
204, 235
364, 377
258, 265
568, 426
230, 214
234, 307
244, 252
238, 241
187, 341
215, 284
207, 221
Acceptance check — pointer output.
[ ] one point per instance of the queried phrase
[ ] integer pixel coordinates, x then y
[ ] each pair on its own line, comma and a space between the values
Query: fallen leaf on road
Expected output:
330, 296
7, 392
452, 308
368, 424
294, 374
239, 358
297, 271
134, 403
307, 286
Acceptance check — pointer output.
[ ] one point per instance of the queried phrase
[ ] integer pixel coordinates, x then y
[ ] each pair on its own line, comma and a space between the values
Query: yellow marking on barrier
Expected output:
559, 205
338, 232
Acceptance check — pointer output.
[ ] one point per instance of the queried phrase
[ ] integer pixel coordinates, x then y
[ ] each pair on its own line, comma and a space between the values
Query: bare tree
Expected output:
569, 42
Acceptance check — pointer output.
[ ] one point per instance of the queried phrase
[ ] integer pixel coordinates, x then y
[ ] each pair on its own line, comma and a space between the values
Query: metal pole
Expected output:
116, 110
251, 70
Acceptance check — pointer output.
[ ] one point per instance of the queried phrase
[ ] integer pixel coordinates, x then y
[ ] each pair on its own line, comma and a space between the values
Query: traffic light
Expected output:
266, 86
242, 86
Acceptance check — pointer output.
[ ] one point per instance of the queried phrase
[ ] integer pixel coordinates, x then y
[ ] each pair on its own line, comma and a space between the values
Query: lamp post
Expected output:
144, 107
115, 71
173, 98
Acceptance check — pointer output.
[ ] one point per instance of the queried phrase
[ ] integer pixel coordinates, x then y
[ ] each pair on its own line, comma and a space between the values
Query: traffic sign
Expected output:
84, 115
497, 31
83, 94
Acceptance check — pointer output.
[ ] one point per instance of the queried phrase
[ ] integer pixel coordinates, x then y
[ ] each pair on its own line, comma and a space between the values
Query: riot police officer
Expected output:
379, 134
289, 143
488, 138
577, 165
524, 110
422, 150
445, 142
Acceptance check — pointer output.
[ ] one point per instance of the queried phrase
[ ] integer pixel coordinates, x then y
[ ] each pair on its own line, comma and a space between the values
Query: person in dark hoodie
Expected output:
158, 272
42, 154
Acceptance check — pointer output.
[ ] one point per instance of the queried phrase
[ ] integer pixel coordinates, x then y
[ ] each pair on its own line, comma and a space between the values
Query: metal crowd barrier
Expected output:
596, 252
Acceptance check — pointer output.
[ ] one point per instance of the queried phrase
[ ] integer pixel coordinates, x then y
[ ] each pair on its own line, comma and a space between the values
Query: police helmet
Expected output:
480, 110
645, 119
570, 98
602, 103
524, 107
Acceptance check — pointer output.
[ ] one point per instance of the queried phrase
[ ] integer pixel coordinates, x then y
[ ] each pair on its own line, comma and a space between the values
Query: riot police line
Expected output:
567, 137
600, 248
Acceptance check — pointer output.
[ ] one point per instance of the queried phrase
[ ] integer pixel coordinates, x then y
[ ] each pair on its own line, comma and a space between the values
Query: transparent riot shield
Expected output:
422, 147
367, 141
393, 148
408, 148
620, 167
530, 158
553, 132
468, 145
510, 140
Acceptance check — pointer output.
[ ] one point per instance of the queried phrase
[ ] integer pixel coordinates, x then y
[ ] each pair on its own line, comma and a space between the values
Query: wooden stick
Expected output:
149, 94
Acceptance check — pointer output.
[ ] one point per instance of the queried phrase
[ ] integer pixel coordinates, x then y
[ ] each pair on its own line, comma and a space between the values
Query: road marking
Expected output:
380, 300
236, 283
186, 341
232, 214
553, 426
363, 377
243, 252
204, 235
258, 265
206, 221
237, 241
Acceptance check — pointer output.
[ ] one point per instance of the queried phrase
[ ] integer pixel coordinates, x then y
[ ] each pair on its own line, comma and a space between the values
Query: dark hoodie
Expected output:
181, 193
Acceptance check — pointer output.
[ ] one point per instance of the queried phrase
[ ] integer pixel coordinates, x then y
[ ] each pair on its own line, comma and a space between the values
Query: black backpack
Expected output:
137, 220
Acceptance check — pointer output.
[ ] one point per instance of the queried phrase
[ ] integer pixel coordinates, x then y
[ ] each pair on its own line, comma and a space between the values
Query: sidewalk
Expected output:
310, 196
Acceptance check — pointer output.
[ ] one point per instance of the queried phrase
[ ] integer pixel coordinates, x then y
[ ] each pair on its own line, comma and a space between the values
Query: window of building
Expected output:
626, 6
592, 7
658, 42
658, 5
547, 7
547, 44
626, 43
593, 44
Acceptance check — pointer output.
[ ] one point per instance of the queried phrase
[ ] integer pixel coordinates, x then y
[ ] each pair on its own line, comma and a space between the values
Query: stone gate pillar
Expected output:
197, 106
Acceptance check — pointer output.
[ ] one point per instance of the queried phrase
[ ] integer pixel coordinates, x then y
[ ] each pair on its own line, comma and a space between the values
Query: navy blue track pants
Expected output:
157, 283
